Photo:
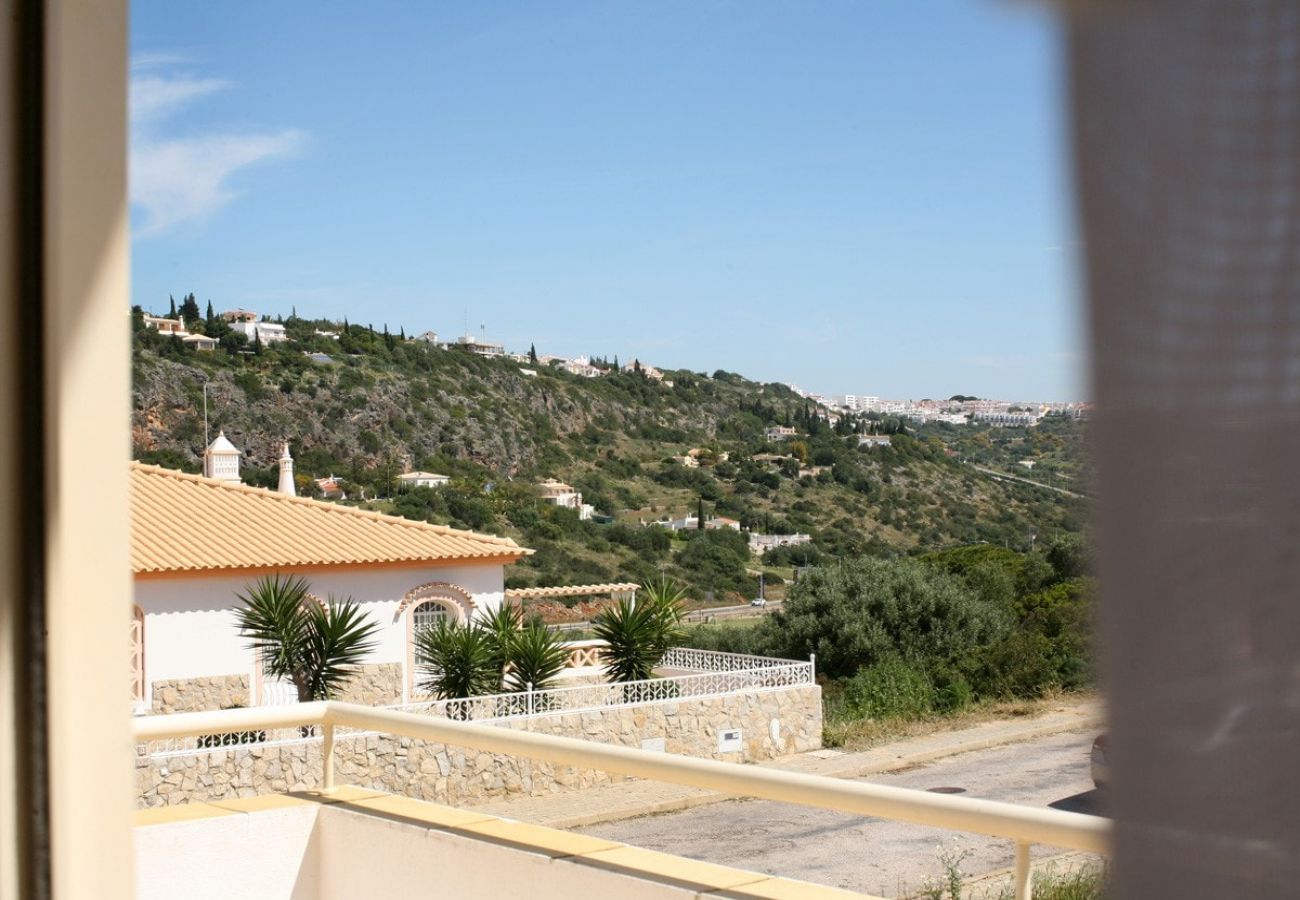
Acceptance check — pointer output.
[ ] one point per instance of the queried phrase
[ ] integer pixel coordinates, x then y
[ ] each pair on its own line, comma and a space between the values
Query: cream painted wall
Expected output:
189, 622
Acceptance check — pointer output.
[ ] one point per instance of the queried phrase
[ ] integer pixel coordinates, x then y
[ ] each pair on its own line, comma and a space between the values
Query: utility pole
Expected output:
206, 437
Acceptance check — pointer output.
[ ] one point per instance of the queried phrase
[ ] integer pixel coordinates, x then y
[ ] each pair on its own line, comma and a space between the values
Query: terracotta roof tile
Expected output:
185, 523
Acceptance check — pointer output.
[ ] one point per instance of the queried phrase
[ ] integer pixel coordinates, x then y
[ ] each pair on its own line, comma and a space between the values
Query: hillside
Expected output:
380, 405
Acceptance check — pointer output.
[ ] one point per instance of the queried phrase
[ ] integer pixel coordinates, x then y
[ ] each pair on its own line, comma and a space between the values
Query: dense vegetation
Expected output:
372, 403
914, 637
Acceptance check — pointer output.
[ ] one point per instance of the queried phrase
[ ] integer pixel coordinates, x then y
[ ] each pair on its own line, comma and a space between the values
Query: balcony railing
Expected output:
710, 674
1023, 825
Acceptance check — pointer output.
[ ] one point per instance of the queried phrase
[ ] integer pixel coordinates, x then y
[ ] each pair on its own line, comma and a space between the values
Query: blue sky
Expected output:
864, 197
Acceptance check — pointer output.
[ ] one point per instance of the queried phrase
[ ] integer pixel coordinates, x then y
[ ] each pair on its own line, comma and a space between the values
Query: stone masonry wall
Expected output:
375, 684
459, 776
194, 694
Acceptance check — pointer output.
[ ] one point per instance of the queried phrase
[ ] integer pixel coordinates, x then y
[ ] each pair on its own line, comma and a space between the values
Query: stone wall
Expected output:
375, 684
194, 694
455, 775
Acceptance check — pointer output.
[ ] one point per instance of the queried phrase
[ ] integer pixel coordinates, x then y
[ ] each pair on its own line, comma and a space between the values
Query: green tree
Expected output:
532, 354
189, 309
457, 661
858, 613
537, 657
637, 633
317, 646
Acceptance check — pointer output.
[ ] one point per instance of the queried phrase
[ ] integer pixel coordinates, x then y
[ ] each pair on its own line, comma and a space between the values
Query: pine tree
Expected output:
189, 310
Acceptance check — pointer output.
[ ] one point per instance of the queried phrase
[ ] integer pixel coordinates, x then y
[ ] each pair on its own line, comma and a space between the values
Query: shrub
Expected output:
857, 614
889, 689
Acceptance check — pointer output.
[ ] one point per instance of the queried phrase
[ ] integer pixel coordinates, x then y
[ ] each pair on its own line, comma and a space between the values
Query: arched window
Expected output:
424, 606
137, 654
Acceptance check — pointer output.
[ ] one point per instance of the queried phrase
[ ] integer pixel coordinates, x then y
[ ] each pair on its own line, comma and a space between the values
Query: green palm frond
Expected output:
338, 638
457, 660
317, 647
537, 657
637, 633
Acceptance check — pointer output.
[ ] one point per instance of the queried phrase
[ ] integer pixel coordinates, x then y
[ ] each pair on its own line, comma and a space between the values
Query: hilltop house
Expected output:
163, 325
560, 494
779, 433
197, 542
423, 479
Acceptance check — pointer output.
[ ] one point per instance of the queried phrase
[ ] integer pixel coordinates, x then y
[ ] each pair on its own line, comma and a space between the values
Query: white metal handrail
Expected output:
1024, 825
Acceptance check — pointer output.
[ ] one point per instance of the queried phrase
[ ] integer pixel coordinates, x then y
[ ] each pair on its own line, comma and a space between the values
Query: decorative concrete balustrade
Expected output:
740, 708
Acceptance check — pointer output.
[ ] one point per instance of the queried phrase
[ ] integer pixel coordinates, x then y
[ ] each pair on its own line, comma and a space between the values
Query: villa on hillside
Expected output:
779, 433
163, 325
558, 493
197, 542
423, 479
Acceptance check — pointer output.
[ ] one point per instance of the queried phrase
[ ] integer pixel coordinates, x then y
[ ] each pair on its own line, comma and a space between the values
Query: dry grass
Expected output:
863, 734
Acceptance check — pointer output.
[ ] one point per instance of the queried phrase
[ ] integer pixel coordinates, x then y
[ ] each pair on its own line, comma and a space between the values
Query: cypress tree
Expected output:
699, 515
532, 353
172, 314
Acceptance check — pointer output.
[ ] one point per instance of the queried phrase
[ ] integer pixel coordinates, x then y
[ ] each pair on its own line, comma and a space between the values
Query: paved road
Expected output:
996, 474
874, 855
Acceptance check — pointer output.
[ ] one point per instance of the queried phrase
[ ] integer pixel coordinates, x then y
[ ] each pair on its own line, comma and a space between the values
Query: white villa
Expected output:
163, 325
197, 542
423, 479
561, 494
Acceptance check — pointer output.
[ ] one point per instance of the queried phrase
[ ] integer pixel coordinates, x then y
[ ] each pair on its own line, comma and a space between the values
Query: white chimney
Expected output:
286, 472
221, 459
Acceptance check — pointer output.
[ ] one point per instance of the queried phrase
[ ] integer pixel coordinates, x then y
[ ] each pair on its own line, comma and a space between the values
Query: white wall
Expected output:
189, 621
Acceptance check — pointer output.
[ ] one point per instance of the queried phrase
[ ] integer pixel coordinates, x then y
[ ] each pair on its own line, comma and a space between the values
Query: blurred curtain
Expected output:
1187, 141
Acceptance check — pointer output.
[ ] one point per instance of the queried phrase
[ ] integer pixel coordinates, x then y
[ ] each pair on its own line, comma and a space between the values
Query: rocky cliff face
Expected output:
381, 413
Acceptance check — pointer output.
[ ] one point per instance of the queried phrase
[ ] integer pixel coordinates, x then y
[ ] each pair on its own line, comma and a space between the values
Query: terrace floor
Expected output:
355, 842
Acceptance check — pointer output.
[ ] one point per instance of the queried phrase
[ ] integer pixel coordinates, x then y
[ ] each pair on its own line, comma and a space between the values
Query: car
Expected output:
758, 601
1100, 762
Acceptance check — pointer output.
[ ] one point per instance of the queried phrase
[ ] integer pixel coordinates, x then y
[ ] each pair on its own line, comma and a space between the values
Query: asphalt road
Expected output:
873, 855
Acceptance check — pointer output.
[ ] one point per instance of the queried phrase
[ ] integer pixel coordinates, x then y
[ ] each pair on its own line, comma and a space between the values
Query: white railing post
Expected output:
1024, 876
327, 756
812, 664
530, 698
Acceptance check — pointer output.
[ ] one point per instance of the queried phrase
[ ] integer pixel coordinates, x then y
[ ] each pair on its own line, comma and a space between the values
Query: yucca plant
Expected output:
457, 660
637, 633
317, 647
537, 657
502, 625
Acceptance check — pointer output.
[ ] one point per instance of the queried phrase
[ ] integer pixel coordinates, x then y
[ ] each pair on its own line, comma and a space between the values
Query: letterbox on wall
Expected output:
729, 741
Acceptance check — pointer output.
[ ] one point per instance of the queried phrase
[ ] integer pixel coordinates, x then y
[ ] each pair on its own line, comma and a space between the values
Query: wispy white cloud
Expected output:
175, 180
155, 97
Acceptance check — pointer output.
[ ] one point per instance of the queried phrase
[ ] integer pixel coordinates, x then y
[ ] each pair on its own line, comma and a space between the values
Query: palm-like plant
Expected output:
503, 625
637, 633
457, 660
537, 656
317, 647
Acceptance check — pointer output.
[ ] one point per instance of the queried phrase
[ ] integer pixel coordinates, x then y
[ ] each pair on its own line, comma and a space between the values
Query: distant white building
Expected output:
761, 543
581, 366
779, 433
200, 342
874, 440
423, 479
480, 348
560, 494
691, 523
429, 337
1008, 419
164, 325
266, 332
